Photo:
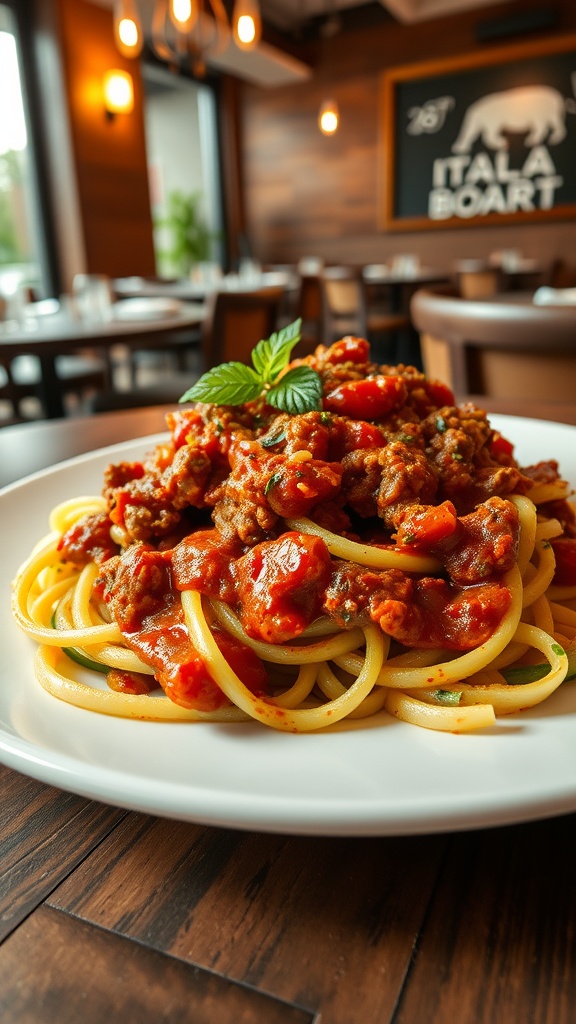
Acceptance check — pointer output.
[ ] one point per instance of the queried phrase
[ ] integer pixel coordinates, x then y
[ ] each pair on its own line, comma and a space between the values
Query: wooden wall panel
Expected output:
109, 156
311, 195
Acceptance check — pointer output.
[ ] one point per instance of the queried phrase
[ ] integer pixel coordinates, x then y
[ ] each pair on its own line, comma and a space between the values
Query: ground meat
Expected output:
352, 587
144, 510
188, 477
361, 478
309, 432
135, 585
119, 475
88, 540
423, 613
543, 472
407, 479
484, 543
243, 510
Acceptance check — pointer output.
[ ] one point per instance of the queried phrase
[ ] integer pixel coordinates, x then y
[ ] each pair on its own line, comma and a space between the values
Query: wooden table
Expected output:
62, 334
109, 915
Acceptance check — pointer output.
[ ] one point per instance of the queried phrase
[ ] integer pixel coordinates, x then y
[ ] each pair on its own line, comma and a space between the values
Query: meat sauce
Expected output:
390, 459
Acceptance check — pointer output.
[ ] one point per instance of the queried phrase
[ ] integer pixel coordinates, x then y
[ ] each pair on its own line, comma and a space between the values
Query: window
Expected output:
182, 154
20, 237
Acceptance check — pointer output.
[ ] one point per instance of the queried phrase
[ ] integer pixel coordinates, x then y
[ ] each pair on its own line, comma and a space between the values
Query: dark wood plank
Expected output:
57, 968
499, 944
327, 923
45, 834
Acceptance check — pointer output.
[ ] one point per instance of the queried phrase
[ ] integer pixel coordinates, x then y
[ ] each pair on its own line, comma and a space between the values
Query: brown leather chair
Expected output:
504, 348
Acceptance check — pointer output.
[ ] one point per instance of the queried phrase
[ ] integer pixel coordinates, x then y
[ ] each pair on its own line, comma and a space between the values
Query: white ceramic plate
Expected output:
389, 778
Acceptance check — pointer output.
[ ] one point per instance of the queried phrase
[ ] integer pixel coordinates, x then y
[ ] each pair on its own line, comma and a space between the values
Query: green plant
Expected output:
191, 239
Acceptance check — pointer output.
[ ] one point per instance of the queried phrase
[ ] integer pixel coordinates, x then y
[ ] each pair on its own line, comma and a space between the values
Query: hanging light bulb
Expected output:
328, 117
184, 14
247, 23
128, 28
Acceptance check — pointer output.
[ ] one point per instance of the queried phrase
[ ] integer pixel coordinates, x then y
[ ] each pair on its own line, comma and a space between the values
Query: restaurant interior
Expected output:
179, 181
218, 177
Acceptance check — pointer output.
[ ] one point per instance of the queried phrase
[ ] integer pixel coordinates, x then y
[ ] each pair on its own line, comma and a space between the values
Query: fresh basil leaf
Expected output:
228, 384
271, 356
298, 391
449, 698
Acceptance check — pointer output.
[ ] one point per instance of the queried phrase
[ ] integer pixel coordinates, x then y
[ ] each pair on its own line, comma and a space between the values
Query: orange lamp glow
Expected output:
118, 93
247, 24
329, 117
128, 28
184, 14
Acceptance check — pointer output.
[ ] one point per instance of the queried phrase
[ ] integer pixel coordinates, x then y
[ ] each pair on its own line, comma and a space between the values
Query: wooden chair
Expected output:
237, 321
344, 302
477, 279
503, 349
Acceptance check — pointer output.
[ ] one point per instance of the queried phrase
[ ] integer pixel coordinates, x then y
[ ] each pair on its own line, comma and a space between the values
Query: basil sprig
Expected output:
297, 391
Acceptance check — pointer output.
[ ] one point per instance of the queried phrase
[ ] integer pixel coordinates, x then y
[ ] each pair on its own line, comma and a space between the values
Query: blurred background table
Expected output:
109, 914
47, 337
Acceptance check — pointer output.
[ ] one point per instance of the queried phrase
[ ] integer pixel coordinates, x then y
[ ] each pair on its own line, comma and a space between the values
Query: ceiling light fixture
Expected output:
247, 23
328, 117
128, 28
184, 32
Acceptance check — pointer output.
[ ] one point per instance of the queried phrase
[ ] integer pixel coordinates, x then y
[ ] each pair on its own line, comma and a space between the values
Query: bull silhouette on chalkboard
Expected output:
538, 110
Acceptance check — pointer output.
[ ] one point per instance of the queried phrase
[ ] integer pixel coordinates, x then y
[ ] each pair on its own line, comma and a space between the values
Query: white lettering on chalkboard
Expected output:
465, 186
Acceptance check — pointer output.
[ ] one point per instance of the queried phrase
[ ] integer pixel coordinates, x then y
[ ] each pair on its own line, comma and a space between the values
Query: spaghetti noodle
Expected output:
302, 570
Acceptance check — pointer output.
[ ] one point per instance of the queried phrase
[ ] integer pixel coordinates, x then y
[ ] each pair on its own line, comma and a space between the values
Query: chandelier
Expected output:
186, 33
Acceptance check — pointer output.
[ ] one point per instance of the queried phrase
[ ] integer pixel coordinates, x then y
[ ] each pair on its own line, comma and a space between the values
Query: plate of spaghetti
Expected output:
327, 600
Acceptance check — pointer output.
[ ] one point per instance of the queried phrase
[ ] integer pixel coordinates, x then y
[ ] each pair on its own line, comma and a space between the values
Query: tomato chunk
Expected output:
426, 525
298, 486
348, 350
439, 393
367, 399
281, 585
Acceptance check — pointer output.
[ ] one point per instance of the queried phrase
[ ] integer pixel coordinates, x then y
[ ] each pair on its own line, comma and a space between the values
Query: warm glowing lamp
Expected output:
128, 28
184, 14
247, 24
118, 93
329, 117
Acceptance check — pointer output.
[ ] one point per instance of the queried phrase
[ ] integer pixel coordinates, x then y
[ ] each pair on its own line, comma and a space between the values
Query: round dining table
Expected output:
48, 336
110, 913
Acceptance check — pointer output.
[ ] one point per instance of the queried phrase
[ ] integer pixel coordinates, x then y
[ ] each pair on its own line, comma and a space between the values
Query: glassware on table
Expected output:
92, 295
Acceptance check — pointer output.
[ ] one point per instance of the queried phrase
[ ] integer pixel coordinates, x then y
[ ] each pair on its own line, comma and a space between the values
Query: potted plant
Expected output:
190, 238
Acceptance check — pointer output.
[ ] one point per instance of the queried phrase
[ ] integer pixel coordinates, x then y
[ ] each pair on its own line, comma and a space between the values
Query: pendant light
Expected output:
184, 14
128, 28
329, 117
247, 24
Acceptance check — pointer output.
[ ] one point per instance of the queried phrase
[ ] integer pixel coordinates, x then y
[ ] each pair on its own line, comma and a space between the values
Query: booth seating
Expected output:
503, 348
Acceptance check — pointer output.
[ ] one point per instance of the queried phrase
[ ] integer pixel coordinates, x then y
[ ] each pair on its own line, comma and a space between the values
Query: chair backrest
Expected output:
237, 321
477, 279
344, 303
502, 349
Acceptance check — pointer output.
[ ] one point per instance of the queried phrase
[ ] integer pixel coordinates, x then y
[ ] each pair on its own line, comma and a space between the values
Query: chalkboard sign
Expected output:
485, 139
